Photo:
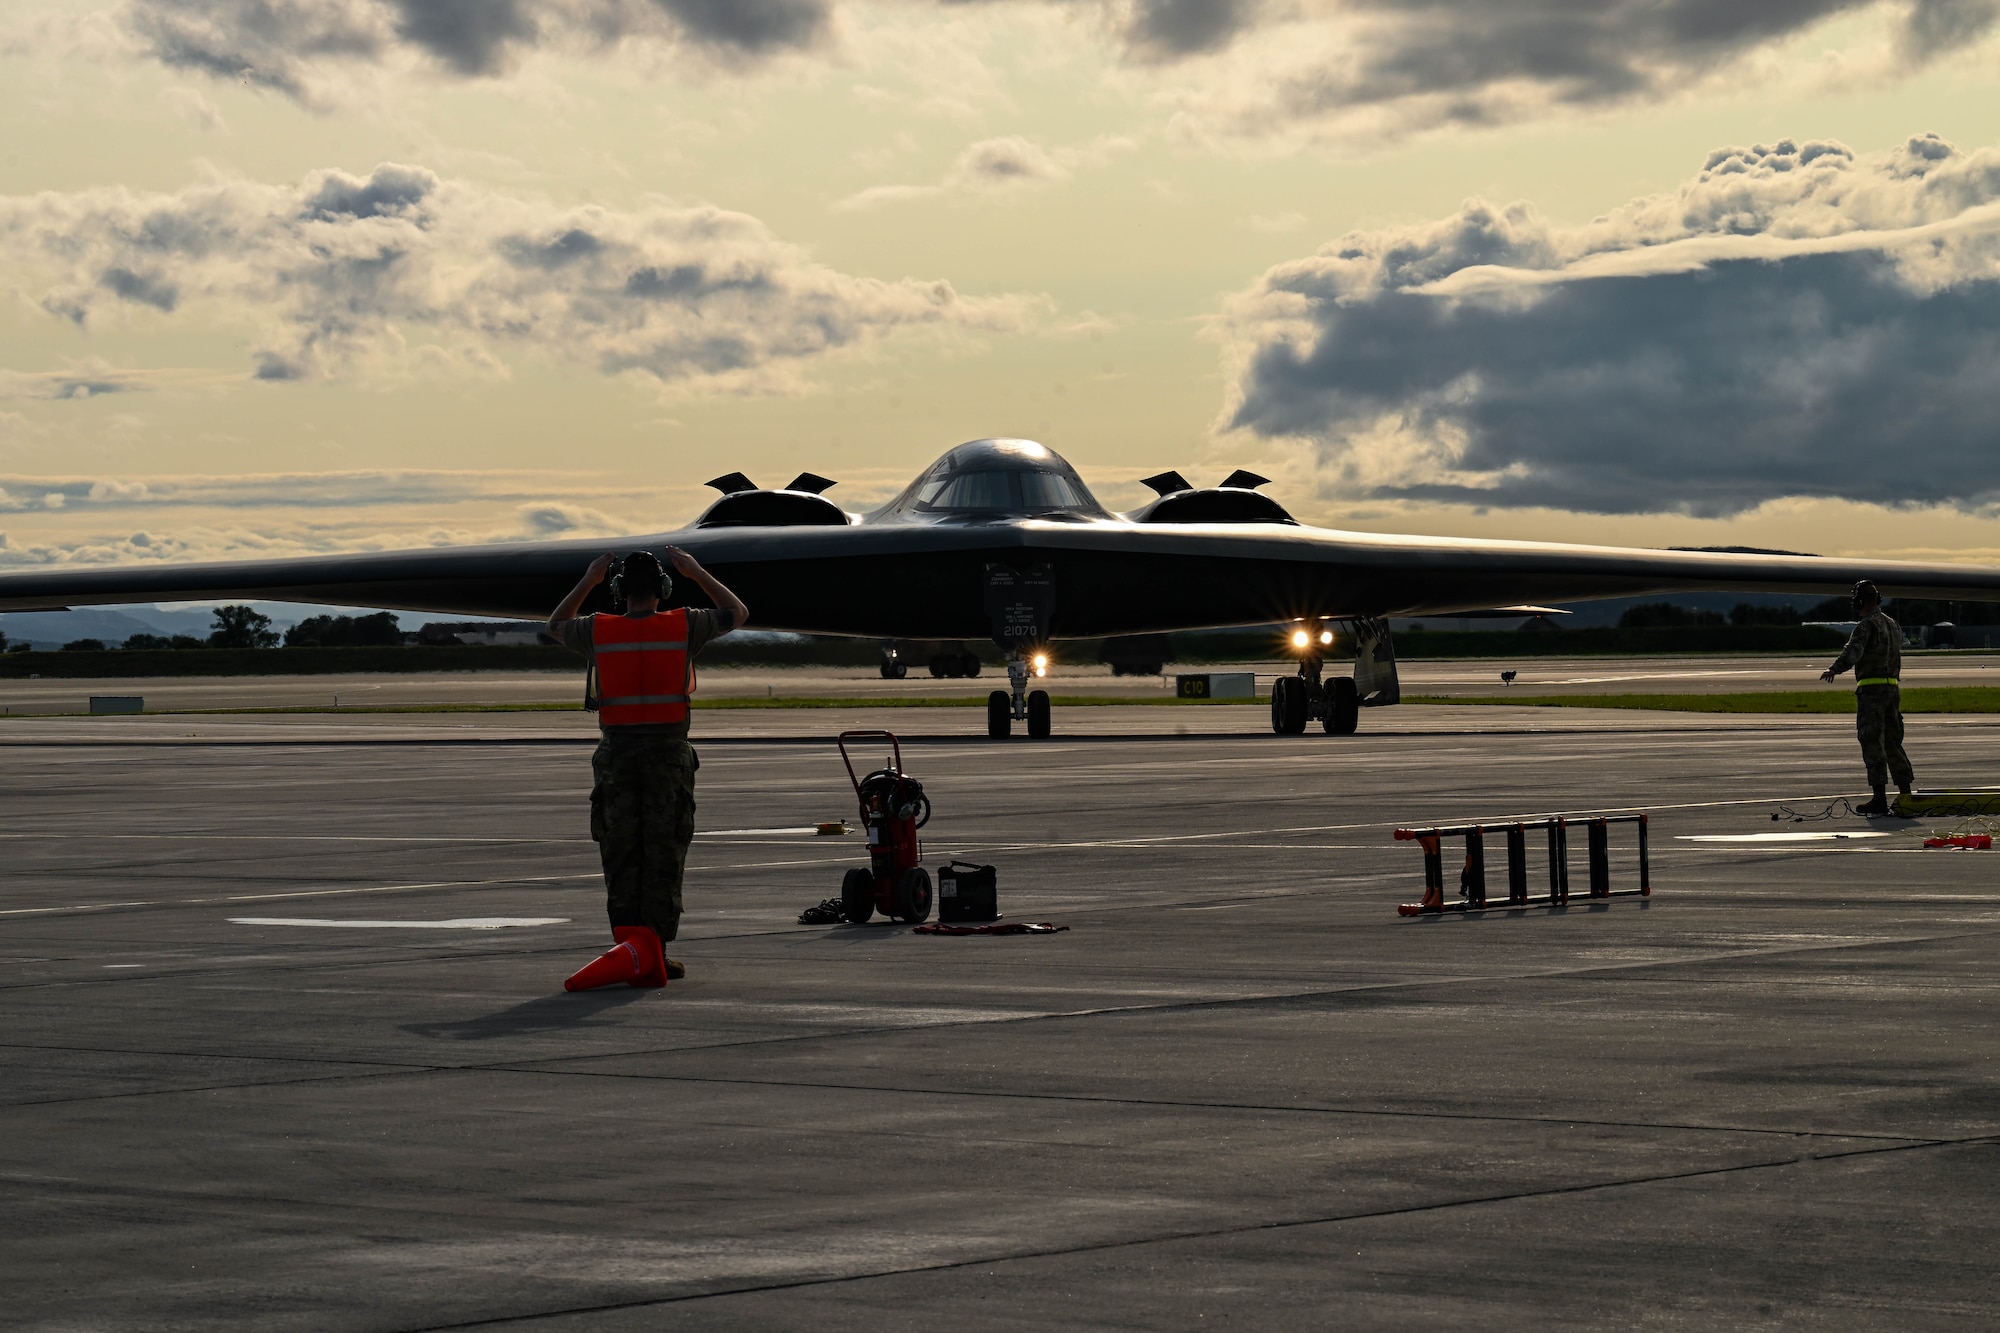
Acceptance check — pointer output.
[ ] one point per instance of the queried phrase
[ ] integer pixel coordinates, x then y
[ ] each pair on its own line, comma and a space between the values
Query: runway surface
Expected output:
271, 1061
1450, 676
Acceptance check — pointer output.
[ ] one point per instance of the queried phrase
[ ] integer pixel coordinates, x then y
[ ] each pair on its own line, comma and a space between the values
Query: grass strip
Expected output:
1940, 699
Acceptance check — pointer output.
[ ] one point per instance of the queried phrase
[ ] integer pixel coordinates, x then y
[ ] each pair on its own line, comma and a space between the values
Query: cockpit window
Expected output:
993, 478
1052, 490
1003, 493
980, 490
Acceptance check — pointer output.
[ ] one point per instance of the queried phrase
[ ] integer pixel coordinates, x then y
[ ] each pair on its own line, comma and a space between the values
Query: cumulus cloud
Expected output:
361, 489
78, 520
1351, 70
196, 110
993, 166
301, 47
1795, 320
1360, 70
343, 273
553, 518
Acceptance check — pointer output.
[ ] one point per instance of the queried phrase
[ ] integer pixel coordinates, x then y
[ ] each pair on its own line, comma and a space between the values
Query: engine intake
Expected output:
744, 505
1235, 501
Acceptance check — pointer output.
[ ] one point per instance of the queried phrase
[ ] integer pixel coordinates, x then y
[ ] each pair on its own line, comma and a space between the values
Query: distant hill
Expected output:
53, 629
48, 630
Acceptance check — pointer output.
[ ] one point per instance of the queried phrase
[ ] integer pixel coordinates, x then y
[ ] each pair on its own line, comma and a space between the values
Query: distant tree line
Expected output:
376, 631
246, 627
1908, 612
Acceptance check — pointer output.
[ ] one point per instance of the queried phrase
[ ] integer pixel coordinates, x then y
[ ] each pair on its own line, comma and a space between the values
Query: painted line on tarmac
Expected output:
456, 923
1777, 837
82, 908
301, 893
272, 837
365, 837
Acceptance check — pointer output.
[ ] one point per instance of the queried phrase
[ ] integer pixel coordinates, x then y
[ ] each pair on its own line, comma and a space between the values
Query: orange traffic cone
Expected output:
636, 960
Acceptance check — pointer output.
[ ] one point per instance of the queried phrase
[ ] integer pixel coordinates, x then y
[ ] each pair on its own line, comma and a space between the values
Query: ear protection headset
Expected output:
1865, 591
640, 571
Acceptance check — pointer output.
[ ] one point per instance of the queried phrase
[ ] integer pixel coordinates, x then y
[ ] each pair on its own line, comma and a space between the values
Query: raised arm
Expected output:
718, 592
574, 602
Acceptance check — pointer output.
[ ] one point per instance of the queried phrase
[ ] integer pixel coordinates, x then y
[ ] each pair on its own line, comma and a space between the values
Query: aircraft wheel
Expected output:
1288, 706
999, 715
857, 895
1038, 712
1343, 707
912, 898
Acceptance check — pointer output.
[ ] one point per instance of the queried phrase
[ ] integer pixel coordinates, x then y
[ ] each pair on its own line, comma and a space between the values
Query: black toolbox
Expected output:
966, 893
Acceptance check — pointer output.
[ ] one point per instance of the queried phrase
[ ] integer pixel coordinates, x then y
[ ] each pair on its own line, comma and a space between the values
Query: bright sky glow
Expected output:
354, 277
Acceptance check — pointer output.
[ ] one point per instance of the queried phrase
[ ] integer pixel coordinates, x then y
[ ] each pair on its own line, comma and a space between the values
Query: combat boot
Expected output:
676, 969
1877, 806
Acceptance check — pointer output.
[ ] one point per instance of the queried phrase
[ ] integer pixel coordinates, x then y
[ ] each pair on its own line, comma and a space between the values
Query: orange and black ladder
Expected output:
1472, 877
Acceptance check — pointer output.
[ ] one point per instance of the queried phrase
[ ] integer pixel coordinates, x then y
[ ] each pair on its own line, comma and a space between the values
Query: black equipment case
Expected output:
966, 893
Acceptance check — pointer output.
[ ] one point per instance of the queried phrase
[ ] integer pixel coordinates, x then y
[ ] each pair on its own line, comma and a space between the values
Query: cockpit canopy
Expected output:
990, 479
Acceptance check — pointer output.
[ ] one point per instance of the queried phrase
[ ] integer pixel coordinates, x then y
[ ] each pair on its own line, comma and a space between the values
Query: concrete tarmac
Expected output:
1446, 676
273, 1061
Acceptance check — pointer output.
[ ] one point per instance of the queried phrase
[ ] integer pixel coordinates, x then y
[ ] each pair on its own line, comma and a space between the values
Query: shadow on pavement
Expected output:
544, 1013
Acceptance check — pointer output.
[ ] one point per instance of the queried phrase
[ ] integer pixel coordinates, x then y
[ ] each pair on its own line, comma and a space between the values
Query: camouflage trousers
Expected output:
1878, 723
642, 819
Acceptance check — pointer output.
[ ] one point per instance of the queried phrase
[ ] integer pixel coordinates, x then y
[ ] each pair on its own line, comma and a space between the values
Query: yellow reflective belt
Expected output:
1877, 680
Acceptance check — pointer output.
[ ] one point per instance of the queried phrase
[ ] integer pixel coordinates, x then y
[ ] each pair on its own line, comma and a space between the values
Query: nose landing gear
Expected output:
1296, 700
1006, 707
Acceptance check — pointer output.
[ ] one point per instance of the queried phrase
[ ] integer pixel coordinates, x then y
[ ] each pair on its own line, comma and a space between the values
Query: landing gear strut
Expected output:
1006, 707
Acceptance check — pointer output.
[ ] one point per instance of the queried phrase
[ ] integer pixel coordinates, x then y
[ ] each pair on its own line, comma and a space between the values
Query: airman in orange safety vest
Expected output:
642, 804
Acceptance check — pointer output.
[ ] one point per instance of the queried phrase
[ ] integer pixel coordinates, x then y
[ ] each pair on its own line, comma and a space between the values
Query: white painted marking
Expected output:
1647, 675
112, 967
1775, 837
747, 832
457, 923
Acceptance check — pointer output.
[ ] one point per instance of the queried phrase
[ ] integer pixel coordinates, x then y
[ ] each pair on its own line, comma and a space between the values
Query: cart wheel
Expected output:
913, 894
999, 714
1038, 712
857, 895
1343, 707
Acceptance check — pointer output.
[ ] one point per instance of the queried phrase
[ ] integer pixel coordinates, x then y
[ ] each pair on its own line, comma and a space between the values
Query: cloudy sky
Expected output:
299, 275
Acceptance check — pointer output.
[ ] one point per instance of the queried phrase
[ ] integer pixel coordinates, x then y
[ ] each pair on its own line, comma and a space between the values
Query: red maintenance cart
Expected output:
893, 808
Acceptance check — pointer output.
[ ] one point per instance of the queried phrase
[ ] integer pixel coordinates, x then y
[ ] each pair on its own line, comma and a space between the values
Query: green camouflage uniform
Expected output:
642, 803
1875, 651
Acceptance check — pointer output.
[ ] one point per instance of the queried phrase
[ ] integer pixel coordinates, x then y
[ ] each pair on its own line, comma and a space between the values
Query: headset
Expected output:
1865, 591
625, 569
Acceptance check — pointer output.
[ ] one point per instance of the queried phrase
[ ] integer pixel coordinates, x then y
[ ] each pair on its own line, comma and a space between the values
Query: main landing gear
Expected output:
1296, 700
1006, 707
